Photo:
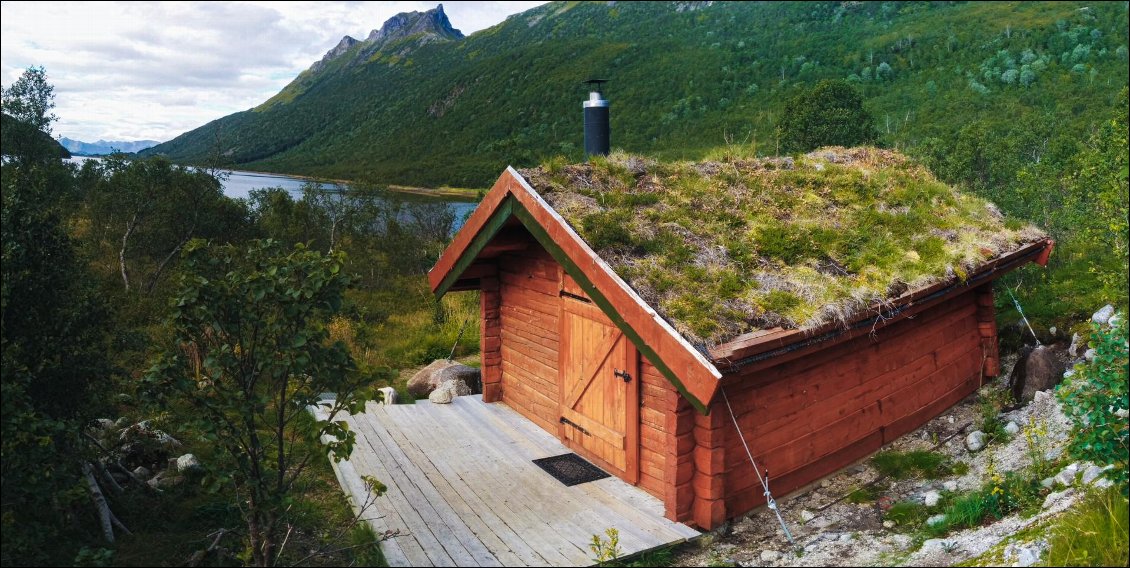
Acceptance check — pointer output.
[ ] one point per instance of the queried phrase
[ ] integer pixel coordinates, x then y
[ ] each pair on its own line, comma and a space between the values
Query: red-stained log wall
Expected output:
809, 417
803, 419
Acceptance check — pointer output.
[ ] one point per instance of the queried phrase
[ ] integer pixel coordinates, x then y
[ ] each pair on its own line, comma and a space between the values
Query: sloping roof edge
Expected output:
685, 367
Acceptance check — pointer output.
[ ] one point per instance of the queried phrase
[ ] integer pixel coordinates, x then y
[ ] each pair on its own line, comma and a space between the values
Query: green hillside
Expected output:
685, 78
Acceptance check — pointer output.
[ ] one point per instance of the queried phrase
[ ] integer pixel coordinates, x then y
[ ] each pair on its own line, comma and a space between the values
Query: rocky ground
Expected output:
829, 530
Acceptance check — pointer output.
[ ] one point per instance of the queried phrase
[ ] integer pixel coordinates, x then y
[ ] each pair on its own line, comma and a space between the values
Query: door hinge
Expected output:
623, 375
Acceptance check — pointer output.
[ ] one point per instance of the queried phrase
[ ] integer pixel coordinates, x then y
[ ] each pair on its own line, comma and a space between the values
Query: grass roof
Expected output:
722, 248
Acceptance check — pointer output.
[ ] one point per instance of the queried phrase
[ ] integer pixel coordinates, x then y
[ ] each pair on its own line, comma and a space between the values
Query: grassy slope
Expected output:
683, 82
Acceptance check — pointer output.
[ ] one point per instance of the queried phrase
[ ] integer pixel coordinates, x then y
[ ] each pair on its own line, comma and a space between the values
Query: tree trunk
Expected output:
122, 253
161, 267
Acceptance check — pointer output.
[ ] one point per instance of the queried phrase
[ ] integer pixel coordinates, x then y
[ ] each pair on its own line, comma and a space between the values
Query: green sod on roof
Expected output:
726, 248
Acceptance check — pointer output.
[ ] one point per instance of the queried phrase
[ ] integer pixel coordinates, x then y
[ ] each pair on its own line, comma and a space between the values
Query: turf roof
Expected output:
722, 248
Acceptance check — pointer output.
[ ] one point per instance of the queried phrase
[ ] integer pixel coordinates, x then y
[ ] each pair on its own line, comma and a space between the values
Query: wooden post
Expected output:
678, 474
987, 328
709, 480
490, 334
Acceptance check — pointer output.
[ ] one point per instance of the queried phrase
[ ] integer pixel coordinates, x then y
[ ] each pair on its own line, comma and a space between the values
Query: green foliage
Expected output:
831, 114
607, 550
251, 355
918, 463
991, 401
30, 99
865, 494
907, 513
1093, 395
53, 365
1094, 533
1002, 495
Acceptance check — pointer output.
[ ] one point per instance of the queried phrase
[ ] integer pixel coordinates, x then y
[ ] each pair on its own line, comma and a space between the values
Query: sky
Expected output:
136, 71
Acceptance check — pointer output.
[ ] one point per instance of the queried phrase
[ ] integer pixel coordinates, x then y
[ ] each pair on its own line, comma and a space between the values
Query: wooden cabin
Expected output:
574, 347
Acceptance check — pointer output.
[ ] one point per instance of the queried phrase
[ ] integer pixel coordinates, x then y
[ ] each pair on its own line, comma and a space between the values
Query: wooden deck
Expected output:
462, 490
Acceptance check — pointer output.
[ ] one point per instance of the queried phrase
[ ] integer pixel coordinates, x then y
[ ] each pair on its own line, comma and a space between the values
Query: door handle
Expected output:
623, 375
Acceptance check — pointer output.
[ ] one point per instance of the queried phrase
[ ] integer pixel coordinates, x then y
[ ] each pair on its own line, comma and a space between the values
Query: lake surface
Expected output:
238, 184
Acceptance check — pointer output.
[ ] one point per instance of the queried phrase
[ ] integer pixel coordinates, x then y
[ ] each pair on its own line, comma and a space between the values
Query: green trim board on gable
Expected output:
511, 207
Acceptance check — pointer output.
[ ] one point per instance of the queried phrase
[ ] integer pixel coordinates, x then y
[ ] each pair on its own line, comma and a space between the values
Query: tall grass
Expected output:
1093, 534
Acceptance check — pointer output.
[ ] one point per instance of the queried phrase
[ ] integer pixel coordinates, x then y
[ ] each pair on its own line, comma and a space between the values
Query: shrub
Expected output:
1095, 398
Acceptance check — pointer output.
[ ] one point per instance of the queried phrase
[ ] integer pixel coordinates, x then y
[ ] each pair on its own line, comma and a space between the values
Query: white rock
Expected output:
1048, 482
949, 419
388, 395
1103, 483
1073, 350
975, 441
142, 472
1056, 497
950, 485
1066, 476
441, 396
931, 499
1092, 473
1122, 413
889, 524
1052, 330
1028, 556
1114, 320
806, 516
1067, 374
846, 537
936, 520
187, 462
770, 555
1012, 428
1090, 354
1102, 316
448, 390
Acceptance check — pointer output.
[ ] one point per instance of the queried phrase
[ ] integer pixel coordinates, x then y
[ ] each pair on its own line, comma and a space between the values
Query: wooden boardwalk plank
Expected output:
463, 490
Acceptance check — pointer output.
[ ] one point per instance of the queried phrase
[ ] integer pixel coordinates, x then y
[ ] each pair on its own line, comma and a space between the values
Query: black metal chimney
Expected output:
597, 132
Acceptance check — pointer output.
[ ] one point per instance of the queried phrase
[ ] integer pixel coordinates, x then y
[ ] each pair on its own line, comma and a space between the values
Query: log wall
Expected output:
809, 417
529, 312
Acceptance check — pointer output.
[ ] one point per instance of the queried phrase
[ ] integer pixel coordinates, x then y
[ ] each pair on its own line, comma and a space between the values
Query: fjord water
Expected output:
238, 184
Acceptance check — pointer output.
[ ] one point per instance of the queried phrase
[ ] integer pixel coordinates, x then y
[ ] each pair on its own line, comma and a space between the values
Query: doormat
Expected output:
570, 469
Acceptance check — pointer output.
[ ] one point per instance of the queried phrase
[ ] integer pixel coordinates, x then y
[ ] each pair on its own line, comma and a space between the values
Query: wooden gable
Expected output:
512, 199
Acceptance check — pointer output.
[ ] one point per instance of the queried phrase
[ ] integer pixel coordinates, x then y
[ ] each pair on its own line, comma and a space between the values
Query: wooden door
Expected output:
599, 379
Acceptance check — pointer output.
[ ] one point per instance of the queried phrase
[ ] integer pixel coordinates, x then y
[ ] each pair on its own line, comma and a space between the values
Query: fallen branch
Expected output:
199, 556
109, 479
103, 508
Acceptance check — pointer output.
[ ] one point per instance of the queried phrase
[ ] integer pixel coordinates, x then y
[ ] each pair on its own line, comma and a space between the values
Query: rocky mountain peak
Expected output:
342, 46
433, 24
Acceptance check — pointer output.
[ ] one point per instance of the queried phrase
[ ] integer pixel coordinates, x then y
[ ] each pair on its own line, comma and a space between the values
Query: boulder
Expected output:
1090, 354
143, 445
141, 472
931, 498
431, 377
975, 441
448, 390
1076, 346
388, 395
188, 462
1012, 428
1102, 316
1038, 369
1066, 476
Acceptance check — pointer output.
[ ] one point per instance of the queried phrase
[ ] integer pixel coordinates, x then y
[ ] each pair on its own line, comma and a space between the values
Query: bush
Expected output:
1095, 398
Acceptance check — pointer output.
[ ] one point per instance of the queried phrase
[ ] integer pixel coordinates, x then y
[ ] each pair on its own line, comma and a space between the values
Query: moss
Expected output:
726, 247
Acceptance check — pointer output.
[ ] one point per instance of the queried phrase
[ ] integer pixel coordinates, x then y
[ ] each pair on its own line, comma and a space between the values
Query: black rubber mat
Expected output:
570, 469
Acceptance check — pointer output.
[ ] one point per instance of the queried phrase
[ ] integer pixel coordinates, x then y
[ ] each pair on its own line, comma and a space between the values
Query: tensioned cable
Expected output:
769, 501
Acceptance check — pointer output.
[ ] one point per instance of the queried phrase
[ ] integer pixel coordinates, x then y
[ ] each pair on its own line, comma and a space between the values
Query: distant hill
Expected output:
15, 135
417, 103
104, 147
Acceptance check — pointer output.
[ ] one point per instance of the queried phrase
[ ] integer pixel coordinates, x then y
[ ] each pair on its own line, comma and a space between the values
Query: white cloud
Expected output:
126, 70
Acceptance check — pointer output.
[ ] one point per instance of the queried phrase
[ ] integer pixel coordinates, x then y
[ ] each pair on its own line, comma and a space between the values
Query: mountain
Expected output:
415, 102
17, 138
104, 147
